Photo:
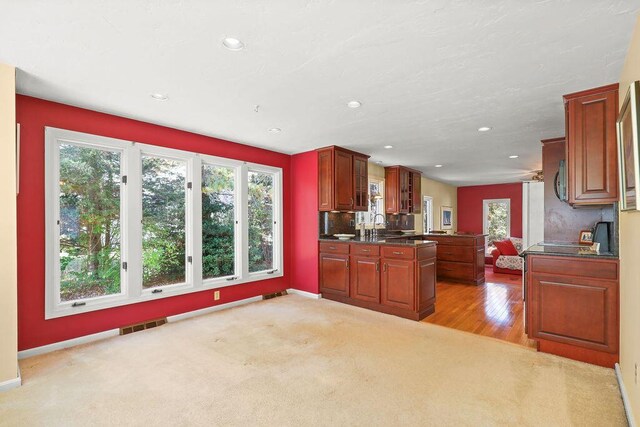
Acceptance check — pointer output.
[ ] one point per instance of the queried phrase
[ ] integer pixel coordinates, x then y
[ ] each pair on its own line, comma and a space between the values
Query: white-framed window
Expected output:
375, 214
496, 220
129, 222
427, 212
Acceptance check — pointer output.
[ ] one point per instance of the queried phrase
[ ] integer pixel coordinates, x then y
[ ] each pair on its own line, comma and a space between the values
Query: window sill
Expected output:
103, 303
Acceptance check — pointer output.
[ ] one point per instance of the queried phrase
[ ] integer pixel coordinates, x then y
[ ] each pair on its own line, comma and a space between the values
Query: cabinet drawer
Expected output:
455, 270
398, 252
455, 253
589, 267
365, 250
453, 241
334, 248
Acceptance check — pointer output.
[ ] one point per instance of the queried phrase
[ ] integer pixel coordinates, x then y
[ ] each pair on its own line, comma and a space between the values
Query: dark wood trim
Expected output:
553, 140
592, 91
346, 150
599, 358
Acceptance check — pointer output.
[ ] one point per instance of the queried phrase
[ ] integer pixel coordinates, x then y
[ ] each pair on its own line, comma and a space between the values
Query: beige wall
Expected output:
629, 255
443, 195
8, 250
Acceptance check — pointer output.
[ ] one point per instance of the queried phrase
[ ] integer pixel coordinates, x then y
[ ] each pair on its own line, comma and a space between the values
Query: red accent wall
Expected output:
33, 115
470, 205
304, 188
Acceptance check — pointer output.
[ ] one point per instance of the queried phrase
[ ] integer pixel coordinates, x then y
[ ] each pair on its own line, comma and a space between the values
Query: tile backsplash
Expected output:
400, 222
336, 223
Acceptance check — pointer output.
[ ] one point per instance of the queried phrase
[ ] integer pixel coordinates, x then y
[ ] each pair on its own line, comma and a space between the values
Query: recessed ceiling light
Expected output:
484, 129
438, 166
354, 104
513, 157
159, 96
379, 162
232, 43
275, 130
388, 146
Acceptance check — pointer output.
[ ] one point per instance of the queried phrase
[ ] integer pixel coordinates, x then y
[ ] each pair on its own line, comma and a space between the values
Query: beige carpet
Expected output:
296, 361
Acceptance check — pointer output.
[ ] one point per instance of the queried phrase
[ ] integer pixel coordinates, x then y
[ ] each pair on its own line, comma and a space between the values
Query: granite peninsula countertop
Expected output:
382, 240
566, 250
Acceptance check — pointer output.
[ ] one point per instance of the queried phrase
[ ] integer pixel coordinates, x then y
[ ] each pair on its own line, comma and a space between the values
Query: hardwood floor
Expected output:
494, 309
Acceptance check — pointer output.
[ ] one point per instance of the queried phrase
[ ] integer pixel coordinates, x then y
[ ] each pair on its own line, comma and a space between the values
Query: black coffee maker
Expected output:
603, 233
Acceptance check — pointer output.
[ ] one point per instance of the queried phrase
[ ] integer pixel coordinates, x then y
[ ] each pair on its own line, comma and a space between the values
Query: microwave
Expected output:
560, 182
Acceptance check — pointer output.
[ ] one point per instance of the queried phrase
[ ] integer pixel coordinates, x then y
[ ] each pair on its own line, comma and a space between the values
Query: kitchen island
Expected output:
394, 276
460, 257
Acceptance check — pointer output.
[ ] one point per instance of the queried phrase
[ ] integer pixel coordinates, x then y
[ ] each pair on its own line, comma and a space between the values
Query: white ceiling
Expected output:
428, 73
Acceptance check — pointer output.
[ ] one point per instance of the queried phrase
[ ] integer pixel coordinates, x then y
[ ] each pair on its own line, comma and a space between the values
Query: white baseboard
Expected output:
212, 309
304, 293
625, 397
68, 343
115, 332
11, 384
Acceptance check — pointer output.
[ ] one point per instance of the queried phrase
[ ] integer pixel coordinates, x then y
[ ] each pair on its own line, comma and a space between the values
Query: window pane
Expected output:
497, 221
218, 221
89, 222
260, 221
163, 221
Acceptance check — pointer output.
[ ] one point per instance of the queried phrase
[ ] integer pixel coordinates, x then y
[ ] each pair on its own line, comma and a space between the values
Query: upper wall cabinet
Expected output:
402, 190
592, 159
342, 180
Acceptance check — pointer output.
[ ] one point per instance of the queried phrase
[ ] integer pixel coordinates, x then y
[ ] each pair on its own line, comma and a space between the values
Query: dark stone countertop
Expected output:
455, 235
381, 240
574, 251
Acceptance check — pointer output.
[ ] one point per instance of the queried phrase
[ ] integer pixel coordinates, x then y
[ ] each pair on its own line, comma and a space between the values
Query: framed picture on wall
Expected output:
446, 217
627, 128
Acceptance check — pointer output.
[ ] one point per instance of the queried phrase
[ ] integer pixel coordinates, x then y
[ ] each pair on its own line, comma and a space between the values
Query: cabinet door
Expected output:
574, 310
343, 180
416, 178
426, 283
391, 187
397, 284
361, 190
591, 149
325, 180
365, 278
334, 274
405, 196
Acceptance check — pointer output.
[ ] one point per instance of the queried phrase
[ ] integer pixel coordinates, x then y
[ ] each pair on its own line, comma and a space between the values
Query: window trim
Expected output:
427, 228
131, 216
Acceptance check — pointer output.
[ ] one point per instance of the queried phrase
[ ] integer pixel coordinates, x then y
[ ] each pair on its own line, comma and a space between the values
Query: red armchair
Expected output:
508, 264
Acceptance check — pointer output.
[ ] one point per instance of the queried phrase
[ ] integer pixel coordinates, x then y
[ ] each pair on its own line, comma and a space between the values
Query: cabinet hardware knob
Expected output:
385, 266
365, 250
377, 266
398, 253
332, 247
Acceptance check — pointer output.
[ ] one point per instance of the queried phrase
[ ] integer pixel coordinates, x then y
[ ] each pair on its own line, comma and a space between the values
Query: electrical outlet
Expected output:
216, 295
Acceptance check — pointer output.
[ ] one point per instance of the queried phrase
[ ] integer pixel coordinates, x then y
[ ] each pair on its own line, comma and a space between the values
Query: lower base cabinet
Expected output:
572, 307
399, 280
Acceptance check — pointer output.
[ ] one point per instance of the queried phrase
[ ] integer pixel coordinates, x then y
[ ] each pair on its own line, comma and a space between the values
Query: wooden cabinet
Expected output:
342, 180
334, 273
573, 307
592, 162
460, 257
402, 190
399, 280
361, 186
397, 284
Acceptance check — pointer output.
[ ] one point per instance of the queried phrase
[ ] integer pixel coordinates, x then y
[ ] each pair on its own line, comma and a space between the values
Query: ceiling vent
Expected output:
142, 326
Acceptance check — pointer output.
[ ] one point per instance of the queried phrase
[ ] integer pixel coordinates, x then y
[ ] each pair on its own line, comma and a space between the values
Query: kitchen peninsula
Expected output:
394, 275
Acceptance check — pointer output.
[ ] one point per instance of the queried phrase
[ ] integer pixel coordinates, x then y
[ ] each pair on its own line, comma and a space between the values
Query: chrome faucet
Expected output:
375, 230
